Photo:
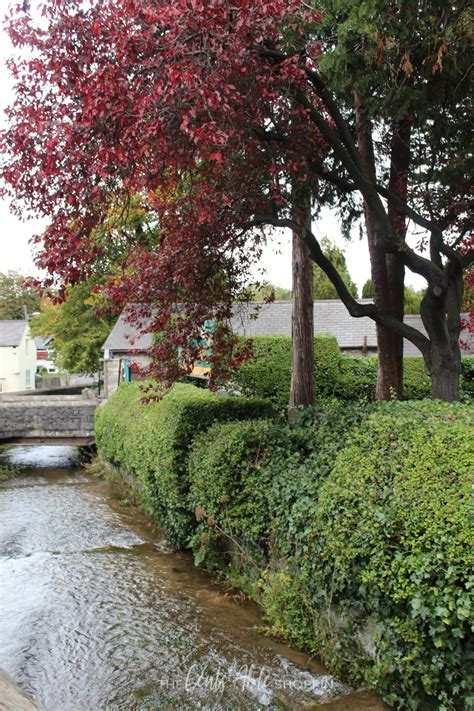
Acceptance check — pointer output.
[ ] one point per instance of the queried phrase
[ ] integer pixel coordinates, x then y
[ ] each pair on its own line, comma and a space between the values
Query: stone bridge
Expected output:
50, 419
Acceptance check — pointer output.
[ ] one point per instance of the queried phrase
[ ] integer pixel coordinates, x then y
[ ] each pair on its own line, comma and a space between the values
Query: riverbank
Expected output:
350, 530
99, 612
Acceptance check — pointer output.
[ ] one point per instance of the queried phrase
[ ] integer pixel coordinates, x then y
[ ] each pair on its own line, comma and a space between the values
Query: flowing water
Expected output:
98, 613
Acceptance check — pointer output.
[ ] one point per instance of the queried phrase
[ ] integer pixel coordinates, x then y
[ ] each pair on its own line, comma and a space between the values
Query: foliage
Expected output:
359, 524
8, 471
229, 482
387, 562
14, 296
267, 373
323, 288
356, 378
245, 477
467, 369
77, 328
412, 297
269, 291
368, 289
151, 441
412, 300
153, 103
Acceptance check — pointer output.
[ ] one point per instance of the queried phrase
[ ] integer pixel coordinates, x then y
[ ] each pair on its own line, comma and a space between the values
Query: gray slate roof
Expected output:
123, 333
330, 316
43, 343
11, 332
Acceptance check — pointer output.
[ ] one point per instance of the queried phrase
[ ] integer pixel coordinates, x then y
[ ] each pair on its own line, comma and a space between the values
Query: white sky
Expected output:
15, 252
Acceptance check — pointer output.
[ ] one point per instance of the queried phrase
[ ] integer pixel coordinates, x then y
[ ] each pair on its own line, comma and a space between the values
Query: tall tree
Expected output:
302, 315
79, 327
323, 288
16, 297
150, 98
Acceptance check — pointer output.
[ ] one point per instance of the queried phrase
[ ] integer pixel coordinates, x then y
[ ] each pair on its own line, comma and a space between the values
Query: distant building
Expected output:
17, 357
355, 336
44, 354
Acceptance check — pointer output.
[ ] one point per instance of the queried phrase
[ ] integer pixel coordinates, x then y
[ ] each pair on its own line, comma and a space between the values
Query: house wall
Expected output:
112, 370
18, 366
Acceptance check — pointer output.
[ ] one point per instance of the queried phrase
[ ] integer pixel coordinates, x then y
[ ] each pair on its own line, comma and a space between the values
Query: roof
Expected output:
330, 316
11, 333
42, 342
126, 336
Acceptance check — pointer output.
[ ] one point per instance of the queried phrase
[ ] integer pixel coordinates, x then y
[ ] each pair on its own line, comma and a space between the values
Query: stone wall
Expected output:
49, 417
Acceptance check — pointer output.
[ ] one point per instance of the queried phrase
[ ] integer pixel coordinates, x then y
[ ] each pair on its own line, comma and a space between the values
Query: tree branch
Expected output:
355, 309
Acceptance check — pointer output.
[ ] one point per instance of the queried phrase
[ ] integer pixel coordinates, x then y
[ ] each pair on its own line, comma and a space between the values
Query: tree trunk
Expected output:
302, 323
390, 350
387, 276
445, 380
398, 184
441, 318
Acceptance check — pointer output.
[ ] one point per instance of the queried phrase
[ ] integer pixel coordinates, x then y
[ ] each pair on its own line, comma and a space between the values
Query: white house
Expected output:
17, 357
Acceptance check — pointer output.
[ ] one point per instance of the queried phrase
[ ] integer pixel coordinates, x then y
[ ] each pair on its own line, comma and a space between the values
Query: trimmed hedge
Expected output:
467, 370
151, 441
390, 554
268, 373
360, 530
230, 463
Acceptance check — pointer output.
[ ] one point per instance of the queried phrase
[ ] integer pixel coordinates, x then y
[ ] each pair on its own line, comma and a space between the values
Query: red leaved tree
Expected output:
213, 111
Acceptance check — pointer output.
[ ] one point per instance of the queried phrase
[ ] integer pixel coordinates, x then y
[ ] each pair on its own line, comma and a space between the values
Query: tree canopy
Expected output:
214, 112
323, 288
15, 296
78, 326
272, 292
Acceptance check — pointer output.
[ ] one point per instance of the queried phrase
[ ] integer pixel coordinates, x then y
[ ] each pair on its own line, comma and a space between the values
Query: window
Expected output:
27, 378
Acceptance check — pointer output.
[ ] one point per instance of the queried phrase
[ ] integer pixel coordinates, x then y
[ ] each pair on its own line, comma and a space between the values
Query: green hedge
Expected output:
151, 441
230, 476
359, 527
268, 373
353, 529
467, 371
390, 554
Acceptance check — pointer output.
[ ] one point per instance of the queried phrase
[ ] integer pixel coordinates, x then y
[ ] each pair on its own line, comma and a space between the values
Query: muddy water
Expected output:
97, 612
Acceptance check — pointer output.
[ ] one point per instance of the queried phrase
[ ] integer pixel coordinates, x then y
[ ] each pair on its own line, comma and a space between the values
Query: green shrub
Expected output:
380, 569
250, 479
151, 441
416, 379
358, 523
467, 373
229, 482
327, 357
356, 379
268, 373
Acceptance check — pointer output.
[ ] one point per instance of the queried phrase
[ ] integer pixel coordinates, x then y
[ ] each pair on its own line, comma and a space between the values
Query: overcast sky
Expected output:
15, 252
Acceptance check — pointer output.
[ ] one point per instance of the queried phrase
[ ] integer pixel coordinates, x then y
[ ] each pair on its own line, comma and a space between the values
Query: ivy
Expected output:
151, 441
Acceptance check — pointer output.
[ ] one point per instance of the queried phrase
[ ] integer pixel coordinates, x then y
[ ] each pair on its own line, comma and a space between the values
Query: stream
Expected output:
97, 612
